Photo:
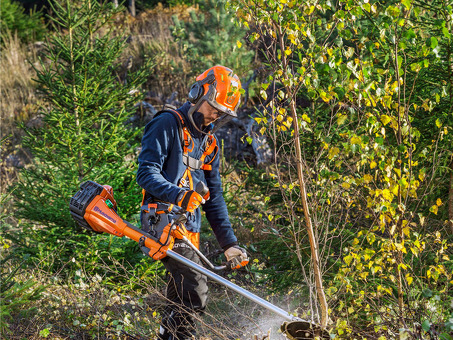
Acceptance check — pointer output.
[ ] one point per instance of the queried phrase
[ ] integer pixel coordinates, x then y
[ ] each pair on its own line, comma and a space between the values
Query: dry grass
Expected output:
151, 37
17, 87
18, 102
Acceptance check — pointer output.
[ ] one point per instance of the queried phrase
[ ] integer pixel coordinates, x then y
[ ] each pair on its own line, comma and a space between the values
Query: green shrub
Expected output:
13, 19
84, 134
16, 295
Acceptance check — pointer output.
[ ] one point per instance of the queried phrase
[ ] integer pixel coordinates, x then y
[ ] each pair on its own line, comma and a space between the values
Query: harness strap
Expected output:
211, 146
188, 144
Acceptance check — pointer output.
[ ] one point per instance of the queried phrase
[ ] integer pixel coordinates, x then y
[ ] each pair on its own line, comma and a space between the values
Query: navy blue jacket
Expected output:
161, 167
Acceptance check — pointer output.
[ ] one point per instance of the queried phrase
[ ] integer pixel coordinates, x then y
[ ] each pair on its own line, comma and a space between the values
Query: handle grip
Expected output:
202, 189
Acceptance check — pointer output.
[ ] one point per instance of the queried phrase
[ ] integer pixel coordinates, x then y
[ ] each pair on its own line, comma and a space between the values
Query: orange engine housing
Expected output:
93, 207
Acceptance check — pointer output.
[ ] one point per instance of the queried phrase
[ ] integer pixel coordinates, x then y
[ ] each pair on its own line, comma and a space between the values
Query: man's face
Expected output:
210, 114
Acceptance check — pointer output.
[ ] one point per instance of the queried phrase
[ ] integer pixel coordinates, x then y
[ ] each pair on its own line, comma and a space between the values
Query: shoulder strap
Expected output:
180, 121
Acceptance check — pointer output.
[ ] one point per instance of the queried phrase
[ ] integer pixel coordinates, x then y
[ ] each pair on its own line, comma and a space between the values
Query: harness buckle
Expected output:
193, 163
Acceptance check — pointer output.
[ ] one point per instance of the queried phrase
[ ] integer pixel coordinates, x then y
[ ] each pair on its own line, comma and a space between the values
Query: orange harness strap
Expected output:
211, 146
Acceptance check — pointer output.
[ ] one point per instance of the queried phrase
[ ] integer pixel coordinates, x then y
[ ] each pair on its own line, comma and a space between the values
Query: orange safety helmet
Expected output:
220, 87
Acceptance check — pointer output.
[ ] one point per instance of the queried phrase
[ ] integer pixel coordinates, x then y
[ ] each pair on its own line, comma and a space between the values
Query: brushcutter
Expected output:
94, 208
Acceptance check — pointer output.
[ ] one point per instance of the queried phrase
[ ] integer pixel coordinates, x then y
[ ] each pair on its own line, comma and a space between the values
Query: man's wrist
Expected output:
229, 245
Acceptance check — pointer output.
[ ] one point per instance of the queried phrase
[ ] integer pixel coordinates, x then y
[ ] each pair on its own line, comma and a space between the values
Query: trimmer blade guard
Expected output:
303, 330
81, 200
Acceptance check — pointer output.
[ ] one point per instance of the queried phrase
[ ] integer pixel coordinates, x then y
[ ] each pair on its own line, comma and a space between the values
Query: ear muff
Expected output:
195, 92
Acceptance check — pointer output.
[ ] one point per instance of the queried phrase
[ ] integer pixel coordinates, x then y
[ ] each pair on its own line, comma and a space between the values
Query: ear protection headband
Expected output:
196, 90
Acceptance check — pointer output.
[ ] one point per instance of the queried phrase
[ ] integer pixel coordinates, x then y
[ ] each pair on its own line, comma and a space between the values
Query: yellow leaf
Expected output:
288, 51
238, 43
154, 314
346, 185
395, 189
387, 194
348, 259
306, 118
263, 130
356, 140
341, 119
325, 96
373, 164
434, 209
407, 231
438, 123
385, 119
421, 175
279, 118
287, 123
439, 202
409, 279
333, 152
367, 178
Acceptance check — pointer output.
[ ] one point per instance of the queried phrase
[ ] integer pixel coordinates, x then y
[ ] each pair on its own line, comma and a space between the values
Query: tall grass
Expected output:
18, 100
17, 89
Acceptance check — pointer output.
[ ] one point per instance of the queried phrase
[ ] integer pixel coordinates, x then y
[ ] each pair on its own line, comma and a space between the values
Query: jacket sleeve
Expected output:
216, 209
160, 135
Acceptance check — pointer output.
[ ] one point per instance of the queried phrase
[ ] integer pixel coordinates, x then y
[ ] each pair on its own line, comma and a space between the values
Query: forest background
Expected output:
345, 134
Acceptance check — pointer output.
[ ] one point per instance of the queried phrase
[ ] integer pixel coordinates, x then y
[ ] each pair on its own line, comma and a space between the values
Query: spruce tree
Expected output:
83, 134
213, 37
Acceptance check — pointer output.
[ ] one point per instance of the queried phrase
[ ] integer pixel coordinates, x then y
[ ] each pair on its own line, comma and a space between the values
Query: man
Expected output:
178, 151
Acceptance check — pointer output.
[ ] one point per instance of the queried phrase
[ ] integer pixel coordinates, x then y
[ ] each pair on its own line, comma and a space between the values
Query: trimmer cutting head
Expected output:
303, 330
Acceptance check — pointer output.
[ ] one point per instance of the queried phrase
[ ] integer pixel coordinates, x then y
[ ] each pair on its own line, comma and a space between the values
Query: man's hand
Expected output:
190, 200
236, 256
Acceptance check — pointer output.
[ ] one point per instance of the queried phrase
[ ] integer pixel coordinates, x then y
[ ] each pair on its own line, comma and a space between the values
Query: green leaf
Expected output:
434, 42
340, 92
407, 3
426, 325
44, 333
